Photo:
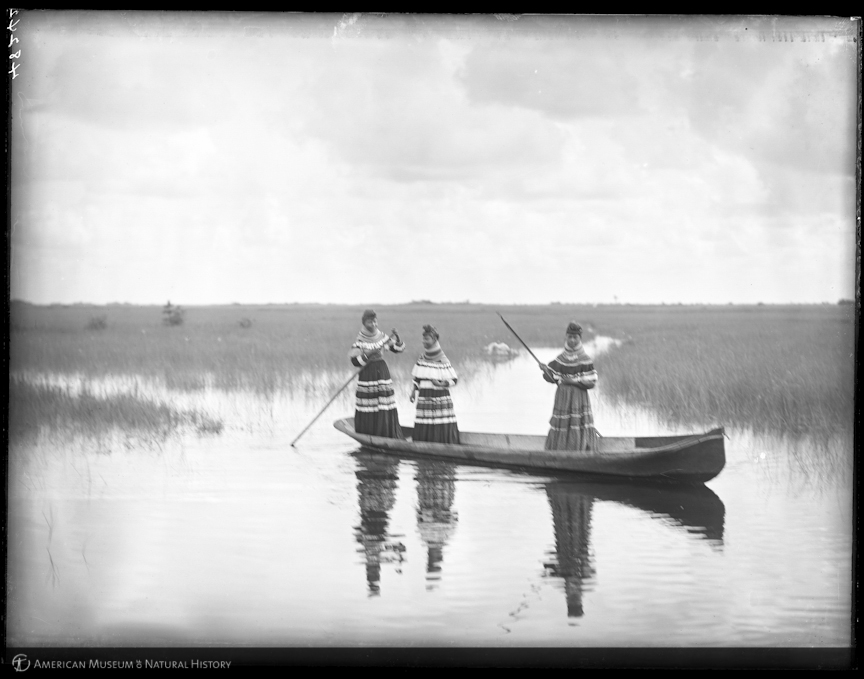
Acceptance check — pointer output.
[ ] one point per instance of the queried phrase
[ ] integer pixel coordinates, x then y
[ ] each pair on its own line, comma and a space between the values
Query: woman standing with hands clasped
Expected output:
572, 423
375, 410
433, 376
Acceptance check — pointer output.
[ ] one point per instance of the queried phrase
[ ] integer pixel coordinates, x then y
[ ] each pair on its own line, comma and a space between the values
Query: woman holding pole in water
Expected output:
375, 410
572, 423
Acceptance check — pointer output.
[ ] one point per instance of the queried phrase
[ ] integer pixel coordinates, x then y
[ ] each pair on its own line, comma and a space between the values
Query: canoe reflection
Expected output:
695, 508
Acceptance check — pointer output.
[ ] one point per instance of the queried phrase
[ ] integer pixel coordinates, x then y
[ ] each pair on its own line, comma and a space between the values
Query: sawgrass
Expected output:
32, 406
786, 370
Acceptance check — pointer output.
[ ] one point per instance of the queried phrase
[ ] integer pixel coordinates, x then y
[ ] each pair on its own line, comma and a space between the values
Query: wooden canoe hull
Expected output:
693, 458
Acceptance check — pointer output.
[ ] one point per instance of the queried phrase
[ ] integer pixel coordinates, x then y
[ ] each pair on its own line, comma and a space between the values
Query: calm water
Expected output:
239, 539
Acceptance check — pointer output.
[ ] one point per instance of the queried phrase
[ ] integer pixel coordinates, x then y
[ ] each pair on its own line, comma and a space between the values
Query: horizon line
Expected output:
842, 300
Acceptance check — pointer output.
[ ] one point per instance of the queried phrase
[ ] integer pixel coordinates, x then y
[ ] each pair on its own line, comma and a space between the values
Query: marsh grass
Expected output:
775, 368
791, 372
807, 464
32, 406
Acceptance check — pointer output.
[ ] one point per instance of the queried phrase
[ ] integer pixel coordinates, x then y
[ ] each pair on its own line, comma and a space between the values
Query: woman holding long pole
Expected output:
571, 426
375, 410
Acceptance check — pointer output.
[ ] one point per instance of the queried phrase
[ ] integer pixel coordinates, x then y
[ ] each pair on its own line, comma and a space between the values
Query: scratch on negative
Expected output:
21, 117
53, 567
50, 527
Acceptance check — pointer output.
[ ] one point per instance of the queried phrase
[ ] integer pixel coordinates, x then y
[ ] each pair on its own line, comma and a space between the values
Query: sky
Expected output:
249, 158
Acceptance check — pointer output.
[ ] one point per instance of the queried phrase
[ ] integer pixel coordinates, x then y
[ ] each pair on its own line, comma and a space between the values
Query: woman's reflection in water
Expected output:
377, 477
695, 511
436, 520
571, 517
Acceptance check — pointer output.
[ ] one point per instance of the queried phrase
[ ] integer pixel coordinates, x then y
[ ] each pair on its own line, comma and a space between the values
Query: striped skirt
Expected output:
436, 419
375, 410
572, 423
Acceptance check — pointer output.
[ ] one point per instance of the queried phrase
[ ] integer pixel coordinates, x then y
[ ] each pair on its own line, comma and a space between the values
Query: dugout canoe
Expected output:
693, 458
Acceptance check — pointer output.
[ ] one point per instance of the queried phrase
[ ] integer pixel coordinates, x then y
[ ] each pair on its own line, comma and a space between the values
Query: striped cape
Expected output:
574, 367
433, 365
366, 343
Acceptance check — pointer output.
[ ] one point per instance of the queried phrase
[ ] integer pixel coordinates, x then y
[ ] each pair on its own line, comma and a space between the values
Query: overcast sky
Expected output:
254, 158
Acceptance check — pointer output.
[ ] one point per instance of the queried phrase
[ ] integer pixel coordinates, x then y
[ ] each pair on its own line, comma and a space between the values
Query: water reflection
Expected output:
436, 520
696, 509
571, 517
377, 477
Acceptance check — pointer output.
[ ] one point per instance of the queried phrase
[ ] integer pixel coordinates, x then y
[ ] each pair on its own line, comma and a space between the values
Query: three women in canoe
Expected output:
572, 422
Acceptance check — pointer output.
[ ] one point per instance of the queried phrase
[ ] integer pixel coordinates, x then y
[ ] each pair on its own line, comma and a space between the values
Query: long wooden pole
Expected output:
520, 339
341, 389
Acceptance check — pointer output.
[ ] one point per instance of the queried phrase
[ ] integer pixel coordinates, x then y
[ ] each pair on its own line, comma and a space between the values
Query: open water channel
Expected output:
239, 539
